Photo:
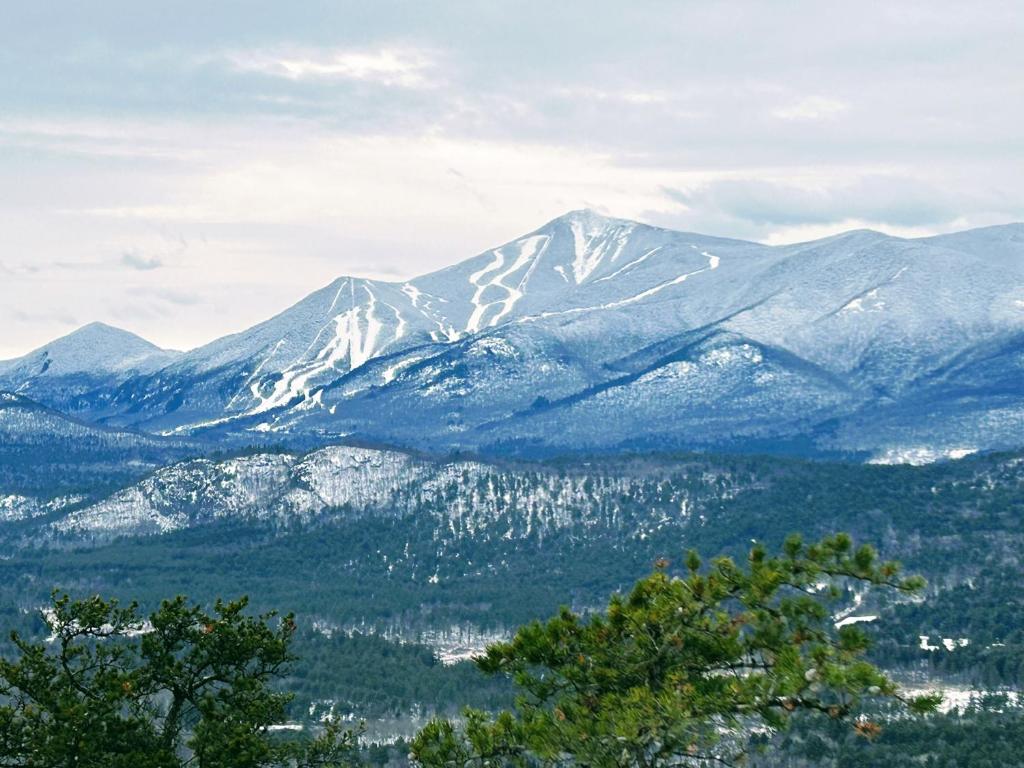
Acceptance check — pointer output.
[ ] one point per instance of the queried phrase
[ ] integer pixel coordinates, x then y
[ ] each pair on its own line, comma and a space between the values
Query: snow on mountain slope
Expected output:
1002, 244
973, 402
457, 498
586, 331
25, 424
719, 388
883, 309
252, 487
577, 265
45, 454
283, 360
87, 363
96, 349
803, 336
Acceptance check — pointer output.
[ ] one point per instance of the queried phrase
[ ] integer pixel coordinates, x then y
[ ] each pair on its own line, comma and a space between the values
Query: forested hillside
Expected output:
473, 549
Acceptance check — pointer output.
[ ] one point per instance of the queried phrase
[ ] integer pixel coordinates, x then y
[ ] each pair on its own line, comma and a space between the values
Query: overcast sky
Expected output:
186, 169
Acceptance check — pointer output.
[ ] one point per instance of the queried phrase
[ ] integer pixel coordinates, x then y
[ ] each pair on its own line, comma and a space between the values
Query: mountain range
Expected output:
595, 334
439, 460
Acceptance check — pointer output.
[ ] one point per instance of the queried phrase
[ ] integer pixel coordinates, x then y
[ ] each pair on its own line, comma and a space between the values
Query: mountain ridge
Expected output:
809, 334
993, 228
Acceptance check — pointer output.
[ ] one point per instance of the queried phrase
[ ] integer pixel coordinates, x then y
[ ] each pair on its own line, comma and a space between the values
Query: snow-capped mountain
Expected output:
593, 332
87, 363
571, 268
96, 349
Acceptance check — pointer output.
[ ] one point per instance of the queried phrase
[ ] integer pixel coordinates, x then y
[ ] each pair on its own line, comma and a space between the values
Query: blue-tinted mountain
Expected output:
78, 371
594, 333
45, 453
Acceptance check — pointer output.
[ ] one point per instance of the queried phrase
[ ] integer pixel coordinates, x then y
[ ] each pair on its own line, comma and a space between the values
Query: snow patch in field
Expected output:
959, 698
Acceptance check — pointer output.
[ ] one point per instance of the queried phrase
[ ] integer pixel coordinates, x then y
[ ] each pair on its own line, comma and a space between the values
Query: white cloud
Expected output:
406, 68
137, 260
299, 173
100, 138
812, 108
276, 209
637, 97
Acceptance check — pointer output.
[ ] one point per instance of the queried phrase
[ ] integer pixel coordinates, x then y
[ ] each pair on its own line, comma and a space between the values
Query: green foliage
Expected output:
986, 734
683, 668
375, 677
960, 523
183, 687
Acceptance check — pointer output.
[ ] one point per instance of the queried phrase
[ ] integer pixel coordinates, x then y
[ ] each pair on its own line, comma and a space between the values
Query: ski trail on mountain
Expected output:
473, 324
586, 260
529, 249
426, 309
356, 333
631, 264
713, 262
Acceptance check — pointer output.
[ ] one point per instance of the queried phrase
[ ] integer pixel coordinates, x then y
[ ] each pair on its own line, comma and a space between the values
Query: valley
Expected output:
417, 469
449, 554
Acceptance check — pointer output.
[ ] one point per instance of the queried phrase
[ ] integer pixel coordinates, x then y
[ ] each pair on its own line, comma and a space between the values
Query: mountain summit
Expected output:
96, 348
593, 332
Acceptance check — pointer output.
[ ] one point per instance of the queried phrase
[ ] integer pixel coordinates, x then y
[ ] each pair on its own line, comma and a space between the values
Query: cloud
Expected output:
639, 97
136, 260
387, 66
113, 139
812, 108
294, 145
178, 298
893, 200
63, 318
71, 265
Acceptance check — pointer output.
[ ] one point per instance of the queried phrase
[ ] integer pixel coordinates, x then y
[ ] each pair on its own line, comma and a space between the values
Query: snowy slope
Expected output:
284, 360
598, 332
457, 498
95, 349
25, 424
44, 453
574, 267
89, 363
827, 342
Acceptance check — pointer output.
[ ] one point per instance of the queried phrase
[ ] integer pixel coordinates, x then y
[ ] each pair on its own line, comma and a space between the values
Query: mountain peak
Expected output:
94, 348
97, 329
608, 321
588, 218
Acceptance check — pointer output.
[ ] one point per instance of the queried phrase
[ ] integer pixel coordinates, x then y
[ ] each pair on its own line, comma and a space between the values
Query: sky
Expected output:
184, 170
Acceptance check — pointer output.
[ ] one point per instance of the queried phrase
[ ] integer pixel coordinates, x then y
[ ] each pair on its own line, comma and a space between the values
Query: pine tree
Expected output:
683, 669
112, 690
